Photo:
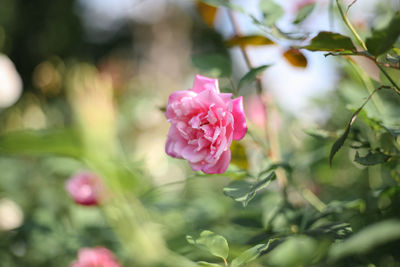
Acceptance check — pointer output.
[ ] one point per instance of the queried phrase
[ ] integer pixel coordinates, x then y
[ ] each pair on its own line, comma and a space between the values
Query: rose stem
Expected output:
271, 131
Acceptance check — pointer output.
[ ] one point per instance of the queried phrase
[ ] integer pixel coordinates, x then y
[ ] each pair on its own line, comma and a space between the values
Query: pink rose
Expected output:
203, 124
95, 257
85, 188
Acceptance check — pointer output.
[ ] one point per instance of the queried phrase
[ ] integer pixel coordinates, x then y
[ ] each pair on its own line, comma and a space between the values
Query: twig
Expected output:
272, 135
350, 26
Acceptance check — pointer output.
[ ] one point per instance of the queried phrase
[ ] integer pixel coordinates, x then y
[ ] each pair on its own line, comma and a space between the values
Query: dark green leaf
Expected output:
213, 243
250, 254
60, 142
271, 10
329, 41
244, 191
372, 158
382, 40
251, 76
339, 143
304, 12
215, 64
372, 236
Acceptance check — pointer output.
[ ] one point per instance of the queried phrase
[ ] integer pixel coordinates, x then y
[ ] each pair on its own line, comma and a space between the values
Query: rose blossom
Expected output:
203, 124
95, 257
85, 188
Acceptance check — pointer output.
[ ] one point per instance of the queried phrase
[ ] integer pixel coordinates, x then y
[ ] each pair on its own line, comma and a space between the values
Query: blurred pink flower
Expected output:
255, 110
203, 124
85, 188
95, 257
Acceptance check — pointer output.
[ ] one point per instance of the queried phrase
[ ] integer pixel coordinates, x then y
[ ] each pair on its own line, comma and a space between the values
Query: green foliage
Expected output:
304, 12
213, 243
272, 11
329, 41
295, 251
382, 40
372, 158
244, 191
250, 254
251, 76
367, 239
60, 142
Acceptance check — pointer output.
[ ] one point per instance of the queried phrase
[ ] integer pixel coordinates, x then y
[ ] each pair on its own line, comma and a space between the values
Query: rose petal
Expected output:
192, 155
240, 126
175, 143
221, 165
202, 83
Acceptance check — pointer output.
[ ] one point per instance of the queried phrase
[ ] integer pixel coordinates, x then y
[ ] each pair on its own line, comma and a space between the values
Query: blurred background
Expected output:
107, 68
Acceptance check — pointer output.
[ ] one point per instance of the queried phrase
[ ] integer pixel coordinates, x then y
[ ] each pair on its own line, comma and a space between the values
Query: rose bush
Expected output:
204, 122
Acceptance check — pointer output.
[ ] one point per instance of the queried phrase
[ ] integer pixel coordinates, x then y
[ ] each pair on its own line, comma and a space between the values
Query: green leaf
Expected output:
329, 41
251, 76
215, 64
382, 40
318, 133
372, 158
339, 143
213, 243
304, 12
371, 236
272, 11
207, 264
61, 142
295, 251
244, 191
250, 254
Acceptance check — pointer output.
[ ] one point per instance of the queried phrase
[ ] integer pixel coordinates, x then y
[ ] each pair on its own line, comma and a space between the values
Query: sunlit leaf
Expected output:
329, 41
254, 40
239, 157
382, 40
295, 58
251, 76
60, 142
250, 255
304, 12
213, 243
244, 191
272, 12
207, 13
216, 64
372, 158
372, 236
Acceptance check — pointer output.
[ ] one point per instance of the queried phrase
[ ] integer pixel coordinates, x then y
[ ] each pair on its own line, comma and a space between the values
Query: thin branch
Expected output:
272, 134
350, 26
